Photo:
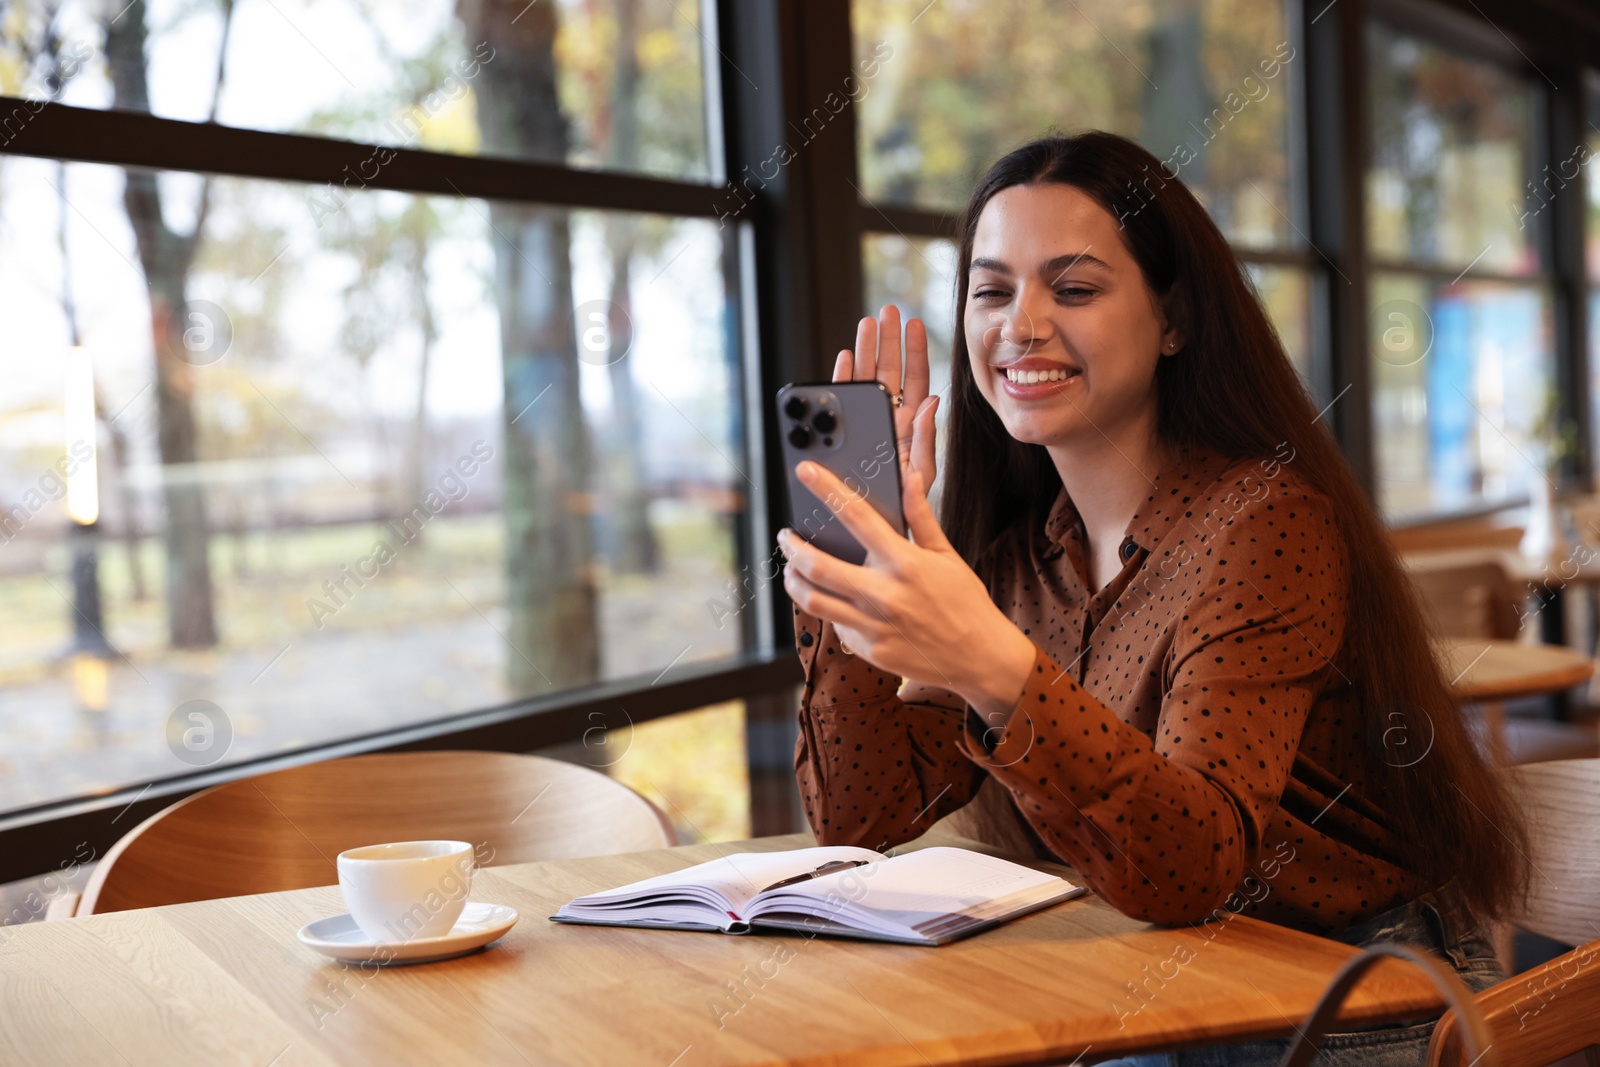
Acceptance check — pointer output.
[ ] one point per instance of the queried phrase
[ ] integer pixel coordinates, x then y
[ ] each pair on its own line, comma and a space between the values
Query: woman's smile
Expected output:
1037, 378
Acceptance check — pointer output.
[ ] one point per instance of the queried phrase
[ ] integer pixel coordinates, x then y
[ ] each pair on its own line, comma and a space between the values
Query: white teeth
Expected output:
1030, 377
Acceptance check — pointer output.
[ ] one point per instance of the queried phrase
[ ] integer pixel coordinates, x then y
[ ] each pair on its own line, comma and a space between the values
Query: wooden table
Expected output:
224, 981
1481, 670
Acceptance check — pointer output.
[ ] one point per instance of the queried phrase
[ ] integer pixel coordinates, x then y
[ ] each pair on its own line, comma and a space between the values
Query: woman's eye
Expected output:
990, 294
1074, 292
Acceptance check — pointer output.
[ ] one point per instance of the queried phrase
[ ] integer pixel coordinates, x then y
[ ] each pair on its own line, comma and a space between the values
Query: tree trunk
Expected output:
416, 229
550, 581
166, 258
637, 549
1177, 112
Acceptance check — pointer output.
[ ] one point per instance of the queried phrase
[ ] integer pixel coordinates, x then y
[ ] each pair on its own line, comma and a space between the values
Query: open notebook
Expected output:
926, 897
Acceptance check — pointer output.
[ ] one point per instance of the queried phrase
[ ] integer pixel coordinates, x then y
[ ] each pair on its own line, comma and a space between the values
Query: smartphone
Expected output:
847, 427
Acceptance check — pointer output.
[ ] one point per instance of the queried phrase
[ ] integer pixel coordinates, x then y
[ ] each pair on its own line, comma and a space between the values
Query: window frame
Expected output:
784, 301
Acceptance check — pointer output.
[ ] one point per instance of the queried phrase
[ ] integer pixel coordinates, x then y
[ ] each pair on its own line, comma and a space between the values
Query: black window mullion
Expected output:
122, 138
1336, 125
781, 60
1566, 132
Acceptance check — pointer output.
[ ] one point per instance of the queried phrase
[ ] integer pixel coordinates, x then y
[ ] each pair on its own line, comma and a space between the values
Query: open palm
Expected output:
877, 357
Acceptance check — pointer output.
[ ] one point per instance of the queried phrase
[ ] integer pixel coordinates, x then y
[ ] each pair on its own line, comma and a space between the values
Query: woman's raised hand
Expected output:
877, 358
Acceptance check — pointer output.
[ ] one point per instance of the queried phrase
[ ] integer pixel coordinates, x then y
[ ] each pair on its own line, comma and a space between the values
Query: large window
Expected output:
1462, 353
286, 463
1208, 88
360, 538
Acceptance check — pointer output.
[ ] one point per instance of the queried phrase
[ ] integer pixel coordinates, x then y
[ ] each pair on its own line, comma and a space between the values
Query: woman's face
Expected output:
1061, 329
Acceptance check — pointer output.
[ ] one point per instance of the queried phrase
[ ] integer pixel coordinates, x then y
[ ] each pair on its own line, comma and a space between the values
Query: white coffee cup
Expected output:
408, 889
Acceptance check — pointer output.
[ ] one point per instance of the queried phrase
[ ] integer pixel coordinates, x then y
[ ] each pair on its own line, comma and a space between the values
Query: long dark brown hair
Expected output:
1232, 388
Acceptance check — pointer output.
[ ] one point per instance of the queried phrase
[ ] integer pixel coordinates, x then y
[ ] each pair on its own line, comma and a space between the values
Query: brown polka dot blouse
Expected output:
1187, 739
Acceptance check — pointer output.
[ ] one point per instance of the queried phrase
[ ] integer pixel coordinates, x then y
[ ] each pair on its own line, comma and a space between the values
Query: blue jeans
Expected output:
1421, 923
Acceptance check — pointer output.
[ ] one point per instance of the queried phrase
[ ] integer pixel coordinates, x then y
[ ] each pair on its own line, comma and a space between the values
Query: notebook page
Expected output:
923, 889
733, 878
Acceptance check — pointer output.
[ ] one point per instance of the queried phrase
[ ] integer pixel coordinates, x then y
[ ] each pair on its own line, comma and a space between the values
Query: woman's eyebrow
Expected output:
1061, 264
1055, 267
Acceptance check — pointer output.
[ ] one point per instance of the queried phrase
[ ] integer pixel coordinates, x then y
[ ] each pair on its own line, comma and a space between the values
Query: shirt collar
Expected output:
1194, 468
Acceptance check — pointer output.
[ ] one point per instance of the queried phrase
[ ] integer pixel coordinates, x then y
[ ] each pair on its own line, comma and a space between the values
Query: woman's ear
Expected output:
1174, 308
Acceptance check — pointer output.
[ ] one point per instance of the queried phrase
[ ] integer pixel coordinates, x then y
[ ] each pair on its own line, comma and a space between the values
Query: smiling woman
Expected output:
1156, 631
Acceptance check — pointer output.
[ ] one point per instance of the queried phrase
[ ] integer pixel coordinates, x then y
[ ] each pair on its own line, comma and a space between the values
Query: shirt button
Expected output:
1128, 549
805, 639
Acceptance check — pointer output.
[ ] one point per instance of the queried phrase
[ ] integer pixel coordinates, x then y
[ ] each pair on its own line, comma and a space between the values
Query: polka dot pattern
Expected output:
1187, 738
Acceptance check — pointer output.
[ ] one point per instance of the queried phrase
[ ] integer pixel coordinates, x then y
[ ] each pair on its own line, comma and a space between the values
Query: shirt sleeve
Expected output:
874, 770
1166, 827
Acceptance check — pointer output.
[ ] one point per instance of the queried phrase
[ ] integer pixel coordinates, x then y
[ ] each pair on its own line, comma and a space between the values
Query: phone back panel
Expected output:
860, 450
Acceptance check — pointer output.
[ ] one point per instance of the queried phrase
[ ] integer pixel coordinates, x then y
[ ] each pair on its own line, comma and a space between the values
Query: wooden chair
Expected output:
1469, 597
1553, 1010
283, 830
1474, 594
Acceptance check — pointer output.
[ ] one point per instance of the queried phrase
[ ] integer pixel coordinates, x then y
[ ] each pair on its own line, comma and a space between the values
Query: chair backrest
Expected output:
1561, 801
1549, 1012
283, 830
1476, 598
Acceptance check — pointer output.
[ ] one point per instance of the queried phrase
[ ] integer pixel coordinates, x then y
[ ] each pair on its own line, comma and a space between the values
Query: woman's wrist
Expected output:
995, 678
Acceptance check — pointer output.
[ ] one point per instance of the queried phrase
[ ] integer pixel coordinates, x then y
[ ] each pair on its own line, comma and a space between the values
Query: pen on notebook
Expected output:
827, 868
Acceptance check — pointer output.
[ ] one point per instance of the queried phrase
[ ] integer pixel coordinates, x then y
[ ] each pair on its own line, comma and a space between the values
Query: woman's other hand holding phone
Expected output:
877, 357
914, 608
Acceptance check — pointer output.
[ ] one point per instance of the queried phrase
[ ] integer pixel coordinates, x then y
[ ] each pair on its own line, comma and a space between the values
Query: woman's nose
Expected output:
1019, 327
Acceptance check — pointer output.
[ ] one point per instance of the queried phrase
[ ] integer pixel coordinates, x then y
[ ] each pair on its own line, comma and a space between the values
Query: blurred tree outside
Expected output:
550, 579
35, 57
166, 257
389, 237
970, 80
636, 549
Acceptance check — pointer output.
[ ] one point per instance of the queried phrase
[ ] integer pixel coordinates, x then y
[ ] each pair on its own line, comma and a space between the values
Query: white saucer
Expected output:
339, 936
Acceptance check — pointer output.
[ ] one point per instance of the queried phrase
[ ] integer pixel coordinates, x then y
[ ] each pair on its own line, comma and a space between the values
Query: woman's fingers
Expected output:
850, 507
916, 364
866, 360
920, 520
848, 581
821, 603
844, 366
889, 364
922, 448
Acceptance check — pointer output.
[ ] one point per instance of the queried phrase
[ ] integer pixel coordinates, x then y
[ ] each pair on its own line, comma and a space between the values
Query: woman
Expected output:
1157, 630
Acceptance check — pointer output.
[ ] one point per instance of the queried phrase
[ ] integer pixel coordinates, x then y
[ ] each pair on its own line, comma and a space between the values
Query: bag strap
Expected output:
1480, 1046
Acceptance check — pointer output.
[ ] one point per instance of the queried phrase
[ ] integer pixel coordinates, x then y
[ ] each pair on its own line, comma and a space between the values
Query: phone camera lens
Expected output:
800, 436
825, 421
796, 407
